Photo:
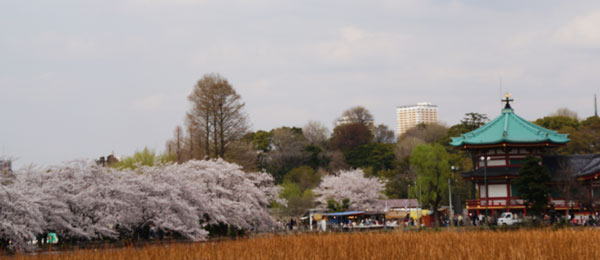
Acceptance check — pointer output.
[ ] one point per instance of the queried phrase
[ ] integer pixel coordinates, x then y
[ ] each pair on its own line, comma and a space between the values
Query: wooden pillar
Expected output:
487, 183
487, 194
507, 194
590, 190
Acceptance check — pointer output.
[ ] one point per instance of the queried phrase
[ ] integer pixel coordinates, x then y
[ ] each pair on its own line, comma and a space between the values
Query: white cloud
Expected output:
583, 31
149, 103
290, 60
169, 2
261, 87
353, 42
65, 44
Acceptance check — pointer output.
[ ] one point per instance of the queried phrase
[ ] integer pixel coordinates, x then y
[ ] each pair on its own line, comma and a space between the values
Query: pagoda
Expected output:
498, 150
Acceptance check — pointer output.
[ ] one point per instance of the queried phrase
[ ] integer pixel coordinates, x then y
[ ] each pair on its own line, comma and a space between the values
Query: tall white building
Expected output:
413, 115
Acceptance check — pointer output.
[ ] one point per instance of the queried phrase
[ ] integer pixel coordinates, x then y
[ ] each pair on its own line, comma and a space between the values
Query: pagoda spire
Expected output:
507, 99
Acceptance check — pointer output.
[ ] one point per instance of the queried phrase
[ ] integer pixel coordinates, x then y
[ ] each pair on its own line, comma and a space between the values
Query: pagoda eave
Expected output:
509, 145
490, 178
587, 177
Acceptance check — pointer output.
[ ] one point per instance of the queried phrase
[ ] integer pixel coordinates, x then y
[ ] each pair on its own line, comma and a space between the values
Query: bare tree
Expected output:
288, 151
567, 184
195, 145
563, 111
337, 162
218, 110
420, 134
429, 133
243, 154
384, 135
348, 136
357, 114
405, 146
315, 132
178, 144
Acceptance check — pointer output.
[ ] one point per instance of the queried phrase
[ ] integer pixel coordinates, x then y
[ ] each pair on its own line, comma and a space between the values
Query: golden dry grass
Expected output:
521, 244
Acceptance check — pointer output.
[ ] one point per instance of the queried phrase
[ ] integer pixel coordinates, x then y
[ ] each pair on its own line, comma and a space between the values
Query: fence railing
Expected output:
512, 201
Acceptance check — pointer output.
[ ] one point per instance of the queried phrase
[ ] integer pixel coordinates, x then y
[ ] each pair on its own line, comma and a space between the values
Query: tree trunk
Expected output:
207, 135
221, 131
215, 136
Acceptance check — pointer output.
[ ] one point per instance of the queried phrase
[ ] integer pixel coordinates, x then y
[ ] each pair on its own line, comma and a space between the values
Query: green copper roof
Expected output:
509, 128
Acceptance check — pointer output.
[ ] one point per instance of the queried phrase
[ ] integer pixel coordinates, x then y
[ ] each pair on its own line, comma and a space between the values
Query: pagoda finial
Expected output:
507, 99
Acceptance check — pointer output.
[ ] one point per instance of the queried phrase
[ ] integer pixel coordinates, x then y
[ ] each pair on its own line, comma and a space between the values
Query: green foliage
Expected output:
288, 151
290, 189
584, 140
262, 140
397, 185
430, 163
297, 190
146, 157
462, 190
304, 177
221, 230
470, 122
316, 158
298, 200
533, 185
335, 206
293, 130
376, 156
591, 121
558, 123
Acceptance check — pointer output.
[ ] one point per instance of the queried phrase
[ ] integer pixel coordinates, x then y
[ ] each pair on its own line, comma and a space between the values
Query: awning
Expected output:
396, 214
345, 213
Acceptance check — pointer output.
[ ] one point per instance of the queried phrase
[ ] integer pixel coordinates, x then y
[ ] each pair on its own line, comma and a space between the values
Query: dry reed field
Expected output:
520, 244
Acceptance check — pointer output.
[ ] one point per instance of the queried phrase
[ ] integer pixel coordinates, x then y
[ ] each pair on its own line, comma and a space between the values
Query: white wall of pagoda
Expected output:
495, 191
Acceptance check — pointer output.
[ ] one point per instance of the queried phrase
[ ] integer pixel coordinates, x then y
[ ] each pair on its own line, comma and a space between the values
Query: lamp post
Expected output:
484, 159
454, 169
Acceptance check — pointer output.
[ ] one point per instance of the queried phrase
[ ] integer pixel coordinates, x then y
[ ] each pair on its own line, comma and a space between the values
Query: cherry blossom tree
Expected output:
81, 201
20, 220
353, 185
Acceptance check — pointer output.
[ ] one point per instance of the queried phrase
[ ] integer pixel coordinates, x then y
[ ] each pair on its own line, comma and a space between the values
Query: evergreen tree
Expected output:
533, 186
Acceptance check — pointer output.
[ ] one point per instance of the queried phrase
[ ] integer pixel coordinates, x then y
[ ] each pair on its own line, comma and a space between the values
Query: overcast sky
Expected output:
80, 79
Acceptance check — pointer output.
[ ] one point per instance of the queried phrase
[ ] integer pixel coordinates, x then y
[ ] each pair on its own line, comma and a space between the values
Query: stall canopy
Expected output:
345, 213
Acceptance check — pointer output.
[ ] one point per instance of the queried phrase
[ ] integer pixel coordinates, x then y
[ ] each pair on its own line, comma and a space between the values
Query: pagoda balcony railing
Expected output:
515, 202
495, 202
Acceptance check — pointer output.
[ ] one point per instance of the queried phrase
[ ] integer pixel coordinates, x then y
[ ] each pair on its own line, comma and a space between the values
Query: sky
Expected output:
83, 78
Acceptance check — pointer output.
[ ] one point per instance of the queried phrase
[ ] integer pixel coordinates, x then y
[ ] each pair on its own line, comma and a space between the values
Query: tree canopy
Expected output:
348, 136
215, 120
376, 156
558, 123
357, 114
533, 185
431, 165
84, 201
351, 185
145, 157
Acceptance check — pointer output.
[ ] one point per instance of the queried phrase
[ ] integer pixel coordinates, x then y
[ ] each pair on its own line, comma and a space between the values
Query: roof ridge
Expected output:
528, 126
484, 127
501, 129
